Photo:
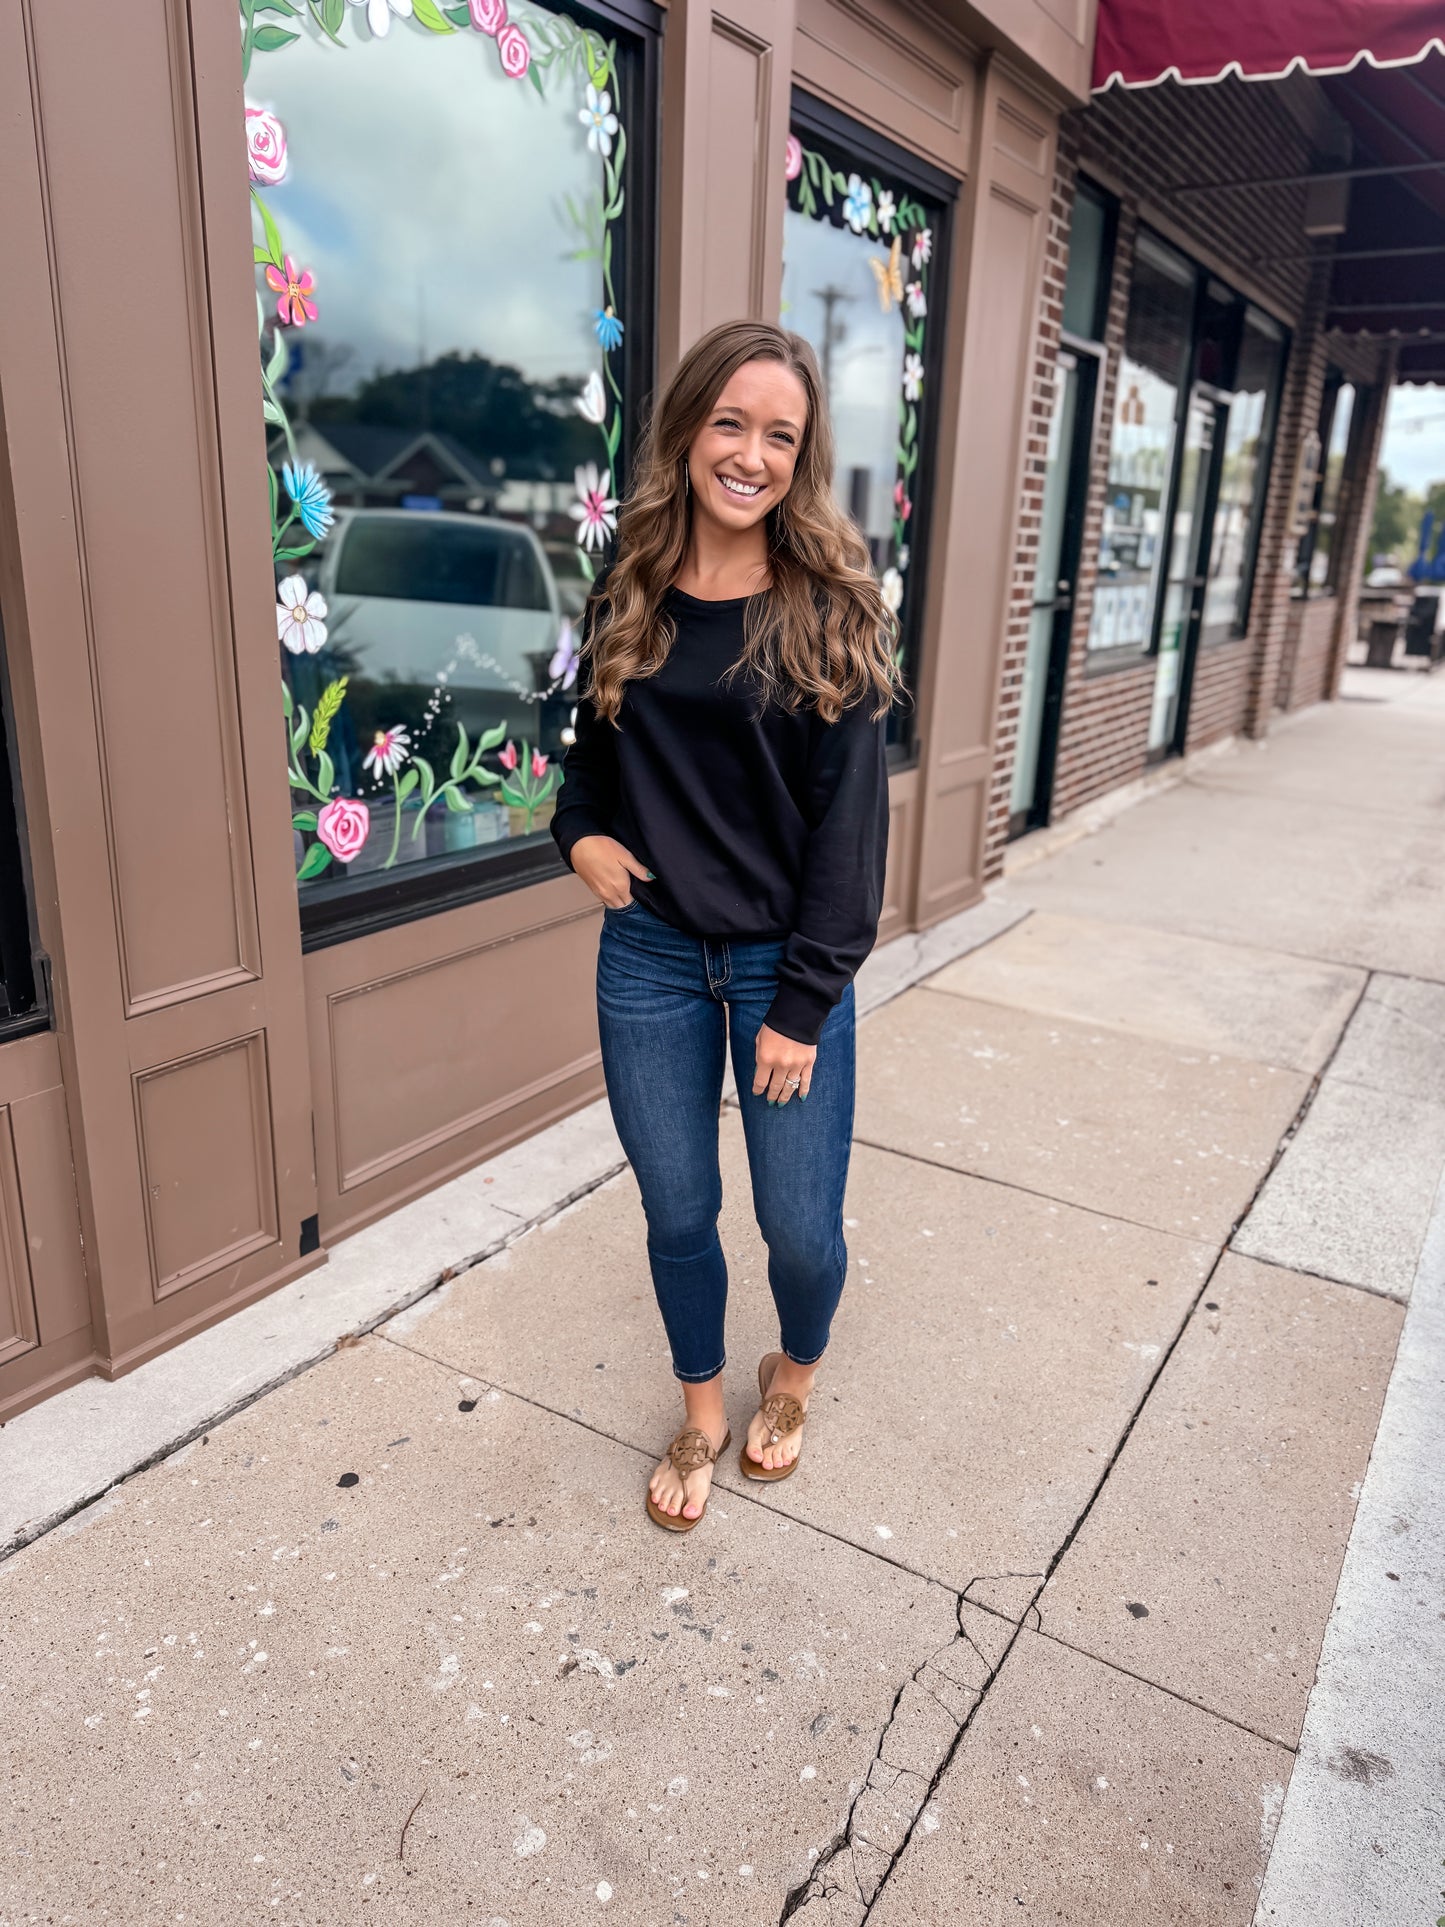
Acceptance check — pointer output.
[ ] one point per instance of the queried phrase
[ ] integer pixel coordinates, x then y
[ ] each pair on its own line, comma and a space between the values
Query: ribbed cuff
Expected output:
798, 1013
571, 830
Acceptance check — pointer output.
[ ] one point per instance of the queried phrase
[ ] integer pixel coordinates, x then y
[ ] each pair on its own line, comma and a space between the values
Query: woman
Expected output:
726, 798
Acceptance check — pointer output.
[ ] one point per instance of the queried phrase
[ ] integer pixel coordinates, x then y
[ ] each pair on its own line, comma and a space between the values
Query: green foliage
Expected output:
327, 705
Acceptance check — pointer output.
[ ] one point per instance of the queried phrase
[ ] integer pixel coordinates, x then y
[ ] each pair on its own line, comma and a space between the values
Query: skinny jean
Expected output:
667, 1006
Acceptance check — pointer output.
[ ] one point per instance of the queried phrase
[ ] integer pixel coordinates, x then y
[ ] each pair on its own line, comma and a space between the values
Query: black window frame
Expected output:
938, 190
344, 910
24, 973
1335, 380
1268, 431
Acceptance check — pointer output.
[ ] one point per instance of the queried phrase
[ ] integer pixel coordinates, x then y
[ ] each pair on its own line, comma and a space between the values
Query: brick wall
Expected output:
1135, 145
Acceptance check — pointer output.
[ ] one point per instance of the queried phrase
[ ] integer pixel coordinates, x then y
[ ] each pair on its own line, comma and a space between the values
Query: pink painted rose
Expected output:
488, 16
265, 147
794, 166
515, 52
508, 757
343, 825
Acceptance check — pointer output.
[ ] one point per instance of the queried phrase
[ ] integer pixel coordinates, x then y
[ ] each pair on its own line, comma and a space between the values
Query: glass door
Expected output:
1066, 478
1187, 571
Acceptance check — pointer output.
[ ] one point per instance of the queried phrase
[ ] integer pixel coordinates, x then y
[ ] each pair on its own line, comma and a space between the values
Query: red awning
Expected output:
1140, 42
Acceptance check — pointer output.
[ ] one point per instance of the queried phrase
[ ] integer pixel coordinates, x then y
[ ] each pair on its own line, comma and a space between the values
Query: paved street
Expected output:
1137, 1210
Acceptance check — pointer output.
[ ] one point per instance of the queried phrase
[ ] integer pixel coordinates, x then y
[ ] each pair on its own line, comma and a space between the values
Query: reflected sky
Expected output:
425, 192
865, 365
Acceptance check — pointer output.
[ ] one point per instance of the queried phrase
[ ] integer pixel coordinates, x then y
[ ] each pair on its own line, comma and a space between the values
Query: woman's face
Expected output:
742, 459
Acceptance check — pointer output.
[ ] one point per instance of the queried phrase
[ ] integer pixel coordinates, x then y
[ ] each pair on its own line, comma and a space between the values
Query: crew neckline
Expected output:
712, 602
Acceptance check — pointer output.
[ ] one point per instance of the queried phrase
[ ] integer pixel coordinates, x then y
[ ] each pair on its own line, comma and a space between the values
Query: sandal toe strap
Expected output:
691, 1450
782, 1414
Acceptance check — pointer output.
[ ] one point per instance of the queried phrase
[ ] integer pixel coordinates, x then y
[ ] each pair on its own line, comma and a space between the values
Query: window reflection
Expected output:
1242, 476
440, 239
1146, 406
860, 259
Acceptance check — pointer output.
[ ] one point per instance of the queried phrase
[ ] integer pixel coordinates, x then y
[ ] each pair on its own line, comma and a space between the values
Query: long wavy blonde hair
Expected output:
822, 635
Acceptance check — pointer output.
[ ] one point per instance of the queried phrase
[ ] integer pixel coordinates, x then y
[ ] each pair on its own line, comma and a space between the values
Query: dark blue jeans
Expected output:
666, 1004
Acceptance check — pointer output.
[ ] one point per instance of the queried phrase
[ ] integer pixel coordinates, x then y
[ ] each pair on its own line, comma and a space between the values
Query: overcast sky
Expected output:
424, 192
1414, 447
867, 370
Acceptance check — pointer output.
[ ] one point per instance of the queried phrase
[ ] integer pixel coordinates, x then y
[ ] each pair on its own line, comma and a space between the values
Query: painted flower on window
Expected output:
599, 120
488, 16
311, 497
564, 659
300, 623
539, 763
515, 53
265, 147
923, 247
295, 287
507, 756
901, 502
591, 404
917, 300
887, 209
793, 158
343, 826
390, 748
608, 329
913, 376
595, 510
379, 12
892, 588
857, 203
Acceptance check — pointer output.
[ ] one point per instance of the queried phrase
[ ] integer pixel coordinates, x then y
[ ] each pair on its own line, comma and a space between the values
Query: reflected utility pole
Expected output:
833, 331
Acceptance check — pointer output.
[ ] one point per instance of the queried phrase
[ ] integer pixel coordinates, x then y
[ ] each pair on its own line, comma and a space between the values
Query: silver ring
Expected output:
792, 1080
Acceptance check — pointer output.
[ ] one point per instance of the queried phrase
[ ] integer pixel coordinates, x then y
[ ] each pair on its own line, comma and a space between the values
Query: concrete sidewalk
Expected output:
1138, 1204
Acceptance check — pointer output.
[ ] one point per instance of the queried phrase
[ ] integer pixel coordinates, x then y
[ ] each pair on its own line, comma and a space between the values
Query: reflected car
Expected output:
426, 604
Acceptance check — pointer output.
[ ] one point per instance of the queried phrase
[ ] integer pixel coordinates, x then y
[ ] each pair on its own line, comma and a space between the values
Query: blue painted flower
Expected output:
609, 329
858, 204
312, 498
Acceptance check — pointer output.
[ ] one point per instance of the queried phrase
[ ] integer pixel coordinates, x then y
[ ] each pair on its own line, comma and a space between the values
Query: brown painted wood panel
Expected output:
141, 636
913, 81
206, 1164
45, 1324
130, 285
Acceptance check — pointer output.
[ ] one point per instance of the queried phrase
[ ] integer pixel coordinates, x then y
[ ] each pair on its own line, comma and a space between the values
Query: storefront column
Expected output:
141, 626
993, 298
727, 77
1362, 513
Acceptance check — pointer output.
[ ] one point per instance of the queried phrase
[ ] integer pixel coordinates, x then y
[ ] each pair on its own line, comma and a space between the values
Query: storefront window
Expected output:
1141, 448
443, 198
1243, 473
862, 244
1320, 549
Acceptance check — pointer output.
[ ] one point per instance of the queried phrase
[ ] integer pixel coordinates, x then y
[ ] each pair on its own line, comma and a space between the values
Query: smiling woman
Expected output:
445, 399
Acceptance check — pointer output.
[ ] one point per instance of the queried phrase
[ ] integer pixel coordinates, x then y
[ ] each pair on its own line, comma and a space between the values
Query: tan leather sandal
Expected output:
783, 1414
689, 1452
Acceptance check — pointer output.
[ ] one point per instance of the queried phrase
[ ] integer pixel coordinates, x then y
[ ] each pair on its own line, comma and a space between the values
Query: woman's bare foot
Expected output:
671, 1491
797, 1380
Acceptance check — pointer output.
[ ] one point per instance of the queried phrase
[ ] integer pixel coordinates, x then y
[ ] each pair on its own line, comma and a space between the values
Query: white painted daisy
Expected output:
299, 623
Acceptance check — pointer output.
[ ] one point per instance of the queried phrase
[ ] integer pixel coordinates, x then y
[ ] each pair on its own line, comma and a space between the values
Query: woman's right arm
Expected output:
591, 787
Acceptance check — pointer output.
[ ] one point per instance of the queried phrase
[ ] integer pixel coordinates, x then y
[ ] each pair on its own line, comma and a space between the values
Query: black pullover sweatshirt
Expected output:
771, 825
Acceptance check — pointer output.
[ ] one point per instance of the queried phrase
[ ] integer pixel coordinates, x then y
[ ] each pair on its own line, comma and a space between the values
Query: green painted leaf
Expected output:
459, 16
431, 16
304, 820
407, 784
461, 755
910, 427
491, 738
271, 40
294, 555
329, 702
313, 863
458, 804
286, 704
277, 254
303, 724
325, 773
534, 74
276, 6
428, 780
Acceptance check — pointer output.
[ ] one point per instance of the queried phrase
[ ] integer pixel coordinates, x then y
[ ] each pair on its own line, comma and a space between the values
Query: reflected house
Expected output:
370, 465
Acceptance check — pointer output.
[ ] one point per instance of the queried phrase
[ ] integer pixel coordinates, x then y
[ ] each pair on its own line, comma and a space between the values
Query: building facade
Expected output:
342, 318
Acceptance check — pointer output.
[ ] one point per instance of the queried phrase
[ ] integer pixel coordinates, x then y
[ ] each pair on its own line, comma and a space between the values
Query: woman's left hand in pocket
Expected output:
780, 1059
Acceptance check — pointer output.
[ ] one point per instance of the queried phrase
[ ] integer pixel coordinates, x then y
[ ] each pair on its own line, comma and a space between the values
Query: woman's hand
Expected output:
779, 1059
605, 865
